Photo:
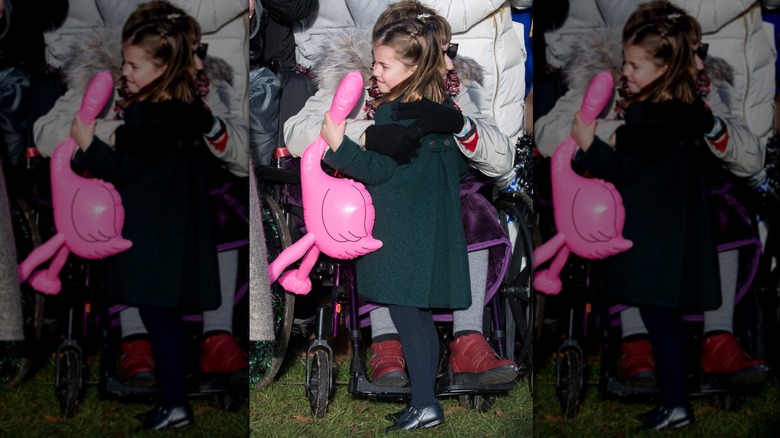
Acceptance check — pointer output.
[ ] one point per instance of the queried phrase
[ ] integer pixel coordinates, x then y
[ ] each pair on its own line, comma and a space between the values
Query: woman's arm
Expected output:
53, 128
235, 153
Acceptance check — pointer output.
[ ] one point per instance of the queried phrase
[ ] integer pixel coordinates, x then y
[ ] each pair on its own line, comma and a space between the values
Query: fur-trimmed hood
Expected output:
350, 50
101, 49
602, 49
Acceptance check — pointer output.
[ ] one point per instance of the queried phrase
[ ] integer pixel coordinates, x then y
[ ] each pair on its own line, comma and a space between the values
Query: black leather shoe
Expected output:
395, 416
661, 418
150, 415
179, 416
649, 416
413, 418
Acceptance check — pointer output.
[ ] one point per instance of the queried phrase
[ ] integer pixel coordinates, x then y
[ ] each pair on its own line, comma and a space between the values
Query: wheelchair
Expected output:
508, 301
587, 320
79, 320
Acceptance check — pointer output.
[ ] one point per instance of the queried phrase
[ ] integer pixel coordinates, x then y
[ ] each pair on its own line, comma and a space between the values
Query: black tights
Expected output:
421, 349
170, 347
671, 350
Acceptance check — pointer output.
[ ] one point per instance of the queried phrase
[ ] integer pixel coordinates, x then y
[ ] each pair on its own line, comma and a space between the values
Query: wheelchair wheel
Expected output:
70, 380
517, 208
17, 357
570, 381
320, 383
266, 357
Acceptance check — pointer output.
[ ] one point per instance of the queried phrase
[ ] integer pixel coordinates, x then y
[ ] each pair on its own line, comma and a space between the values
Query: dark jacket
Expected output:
663, 171
423, 261
160, 169
274, 40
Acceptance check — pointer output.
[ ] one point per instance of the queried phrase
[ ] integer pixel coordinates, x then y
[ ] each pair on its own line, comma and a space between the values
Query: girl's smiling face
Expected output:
138, 69
639, 69
388, 69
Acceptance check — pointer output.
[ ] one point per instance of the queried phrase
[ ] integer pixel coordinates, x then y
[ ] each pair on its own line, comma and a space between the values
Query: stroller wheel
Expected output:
320, 383
570, 381
69, 381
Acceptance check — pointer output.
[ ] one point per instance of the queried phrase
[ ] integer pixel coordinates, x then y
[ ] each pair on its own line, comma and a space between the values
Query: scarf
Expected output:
202, 88
451, 88
703, 88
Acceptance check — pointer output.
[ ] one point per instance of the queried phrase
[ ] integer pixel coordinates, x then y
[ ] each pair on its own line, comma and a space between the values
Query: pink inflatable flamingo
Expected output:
589, 212
338, 212
88, 213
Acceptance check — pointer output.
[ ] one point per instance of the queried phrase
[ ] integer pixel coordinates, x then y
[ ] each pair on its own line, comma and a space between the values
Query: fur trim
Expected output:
350, 50
602, 49
101, 49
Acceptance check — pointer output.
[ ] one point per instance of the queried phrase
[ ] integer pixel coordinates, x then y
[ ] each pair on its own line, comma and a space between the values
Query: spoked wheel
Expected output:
516, 209
570, 380
70, 380
479, 402
320, 383
17, 357
266, 357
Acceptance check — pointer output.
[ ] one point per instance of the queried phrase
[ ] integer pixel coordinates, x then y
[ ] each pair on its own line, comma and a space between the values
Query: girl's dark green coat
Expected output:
160, 169
663, 171
423, 261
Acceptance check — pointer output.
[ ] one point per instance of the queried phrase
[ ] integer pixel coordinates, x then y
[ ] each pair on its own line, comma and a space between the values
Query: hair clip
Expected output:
421, 16
172, 16
674, 16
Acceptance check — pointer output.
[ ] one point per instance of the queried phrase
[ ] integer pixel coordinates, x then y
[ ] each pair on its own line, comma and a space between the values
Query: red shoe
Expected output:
137, 363
388, 365
220, 353
637, 364
722, 354
473, 360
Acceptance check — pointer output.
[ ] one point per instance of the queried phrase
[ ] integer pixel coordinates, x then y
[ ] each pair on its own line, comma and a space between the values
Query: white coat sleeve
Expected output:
53, 128
744, 153
303, 128
494, 152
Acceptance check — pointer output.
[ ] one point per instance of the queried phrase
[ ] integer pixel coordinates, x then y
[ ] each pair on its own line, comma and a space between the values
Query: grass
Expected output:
282, 410
754, 416
32, 410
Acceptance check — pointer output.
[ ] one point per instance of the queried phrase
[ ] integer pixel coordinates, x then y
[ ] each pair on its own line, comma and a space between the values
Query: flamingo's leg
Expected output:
548, 249
289, 255
297, 281
40, 255
48, 281
548, 281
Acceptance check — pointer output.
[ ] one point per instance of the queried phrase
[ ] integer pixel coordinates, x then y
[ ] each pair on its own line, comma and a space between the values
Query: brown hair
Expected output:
414, 9
165, 33
415, 44
162, 8
667, 33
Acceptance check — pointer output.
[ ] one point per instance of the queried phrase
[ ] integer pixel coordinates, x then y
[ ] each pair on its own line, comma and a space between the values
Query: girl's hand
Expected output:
582, 132
83, 133
333, 133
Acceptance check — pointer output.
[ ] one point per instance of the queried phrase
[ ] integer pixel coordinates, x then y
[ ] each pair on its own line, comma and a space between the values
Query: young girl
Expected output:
661, 166
423, 263
159, 166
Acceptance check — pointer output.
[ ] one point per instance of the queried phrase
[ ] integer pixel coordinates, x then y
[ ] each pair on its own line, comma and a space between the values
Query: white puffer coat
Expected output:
224, 27
733, 28
484, 29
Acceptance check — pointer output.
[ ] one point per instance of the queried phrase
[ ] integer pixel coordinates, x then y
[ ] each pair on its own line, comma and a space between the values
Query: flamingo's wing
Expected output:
598, 216
344, 212
594, 212
94, 212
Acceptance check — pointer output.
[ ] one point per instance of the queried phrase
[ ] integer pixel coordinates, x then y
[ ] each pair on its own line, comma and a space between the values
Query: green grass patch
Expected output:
282, 410
32, 410
752, 416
